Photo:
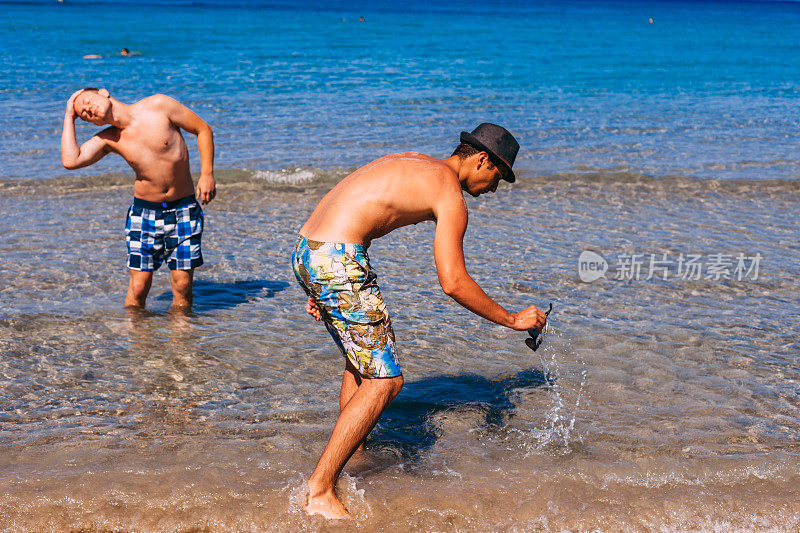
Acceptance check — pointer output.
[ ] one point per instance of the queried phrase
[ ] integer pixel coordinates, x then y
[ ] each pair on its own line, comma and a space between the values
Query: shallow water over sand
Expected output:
654, 405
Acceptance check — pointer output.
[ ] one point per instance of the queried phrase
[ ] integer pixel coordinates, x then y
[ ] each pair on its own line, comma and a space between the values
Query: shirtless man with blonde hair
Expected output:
165, 222
331, 263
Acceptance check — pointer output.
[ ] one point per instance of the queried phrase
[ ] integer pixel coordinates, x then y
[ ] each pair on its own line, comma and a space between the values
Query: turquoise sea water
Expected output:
708, 89
654, 405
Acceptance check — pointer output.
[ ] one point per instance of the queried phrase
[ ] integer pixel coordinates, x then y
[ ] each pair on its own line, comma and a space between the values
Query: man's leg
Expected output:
138, 288
181, 287
351, 380
355, 422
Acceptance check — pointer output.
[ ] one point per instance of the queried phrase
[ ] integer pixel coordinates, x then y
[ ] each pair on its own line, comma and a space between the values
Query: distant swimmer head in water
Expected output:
125, 52
93, 105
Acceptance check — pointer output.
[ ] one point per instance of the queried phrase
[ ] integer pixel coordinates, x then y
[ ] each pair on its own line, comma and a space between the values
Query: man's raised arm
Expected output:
72, 155
448, 252
187, 120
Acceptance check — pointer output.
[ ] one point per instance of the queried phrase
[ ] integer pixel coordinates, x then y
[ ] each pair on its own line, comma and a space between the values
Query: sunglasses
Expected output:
535, 340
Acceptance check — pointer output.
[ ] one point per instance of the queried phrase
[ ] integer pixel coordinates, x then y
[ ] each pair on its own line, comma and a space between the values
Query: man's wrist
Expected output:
511, 320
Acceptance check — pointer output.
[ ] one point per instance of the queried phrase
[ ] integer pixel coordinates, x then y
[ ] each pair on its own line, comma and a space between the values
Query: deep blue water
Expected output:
708, 89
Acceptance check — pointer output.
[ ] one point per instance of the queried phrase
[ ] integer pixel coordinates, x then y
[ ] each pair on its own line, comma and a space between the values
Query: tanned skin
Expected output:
391, 192
147, 134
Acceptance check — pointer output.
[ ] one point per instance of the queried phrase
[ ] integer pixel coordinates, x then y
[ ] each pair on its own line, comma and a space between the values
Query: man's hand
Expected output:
313, 309
206, 188
529, 318
70, 111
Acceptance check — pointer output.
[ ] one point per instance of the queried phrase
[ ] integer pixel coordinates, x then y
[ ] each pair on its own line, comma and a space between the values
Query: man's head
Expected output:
486, 155
498, 143
93, 105
480, 174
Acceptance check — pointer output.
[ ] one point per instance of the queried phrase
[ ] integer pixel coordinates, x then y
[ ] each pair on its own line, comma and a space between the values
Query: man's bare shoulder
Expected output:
440, 177
421, 165
157, 103
439, 182
157, 100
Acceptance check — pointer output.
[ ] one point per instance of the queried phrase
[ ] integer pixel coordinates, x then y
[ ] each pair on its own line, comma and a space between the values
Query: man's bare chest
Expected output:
151, 140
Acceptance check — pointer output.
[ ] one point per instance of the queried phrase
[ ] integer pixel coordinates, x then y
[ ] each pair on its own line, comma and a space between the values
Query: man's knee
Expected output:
395, 385
139, 285
182, 284
387, 387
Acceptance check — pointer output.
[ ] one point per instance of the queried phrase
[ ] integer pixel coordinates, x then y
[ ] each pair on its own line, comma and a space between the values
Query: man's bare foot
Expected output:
327, 505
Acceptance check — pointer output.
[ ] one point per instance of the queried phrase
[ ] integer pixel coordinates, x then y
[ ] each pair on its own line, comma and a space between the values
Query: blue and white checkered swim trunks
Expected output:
169, 230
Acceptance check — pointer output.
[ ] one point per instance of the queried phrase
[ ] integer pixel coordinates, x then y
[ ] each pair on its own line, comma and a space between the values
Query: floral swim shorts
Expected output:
338, 276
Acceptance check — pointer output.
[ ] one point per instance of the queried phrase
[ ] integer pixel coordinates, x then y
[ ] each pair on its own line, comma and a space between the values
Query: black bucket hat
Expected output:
498, 142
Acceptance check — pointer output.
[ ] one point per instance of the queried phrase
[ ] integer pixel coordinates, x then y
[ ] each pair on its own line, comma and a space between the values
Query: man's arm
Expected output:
187, 120
72, 155
448, 252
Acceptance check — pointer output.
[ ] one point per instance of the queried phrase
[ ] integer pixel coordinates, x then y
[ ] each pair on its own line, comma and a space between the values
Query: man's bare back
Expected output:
391, 192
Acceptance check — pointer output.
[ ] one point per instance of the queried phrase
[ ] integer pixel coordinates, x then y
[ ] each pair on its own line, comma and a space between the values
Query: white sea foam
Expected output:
291, 176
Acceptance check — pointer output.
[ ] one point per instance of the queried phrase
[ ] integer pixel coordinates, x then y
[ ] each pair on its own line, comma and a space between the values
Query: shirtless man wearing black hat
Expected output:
331, 263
